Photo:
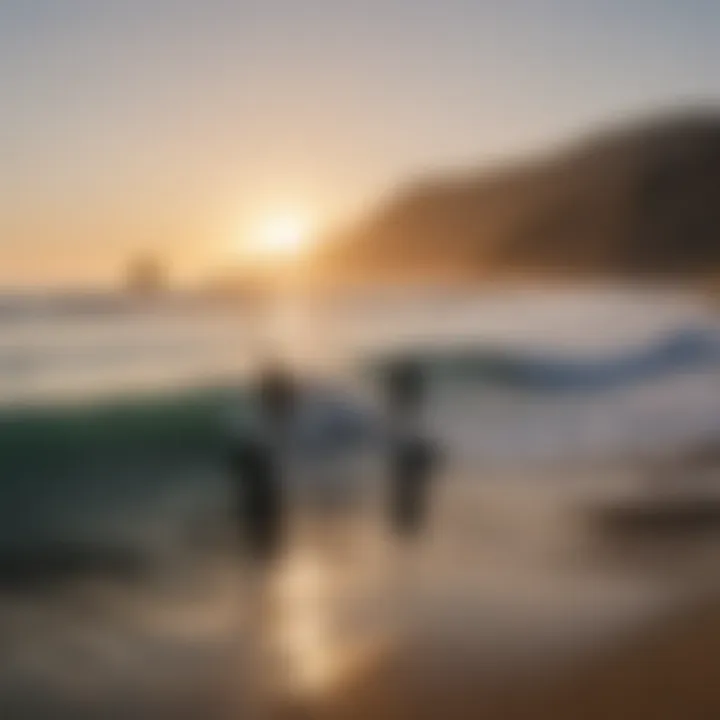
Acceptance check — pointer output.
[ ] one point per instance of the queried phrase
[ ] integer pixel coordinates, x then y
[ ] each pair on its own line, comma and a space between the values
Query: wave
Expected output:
106, 489
66, 471
682, 351
62, 464
182, 420
188, 422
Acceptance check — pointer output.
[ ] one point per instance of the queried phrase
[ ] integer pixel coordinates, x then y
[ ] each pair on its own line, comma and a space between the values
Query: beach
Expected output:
125, 593
511, 604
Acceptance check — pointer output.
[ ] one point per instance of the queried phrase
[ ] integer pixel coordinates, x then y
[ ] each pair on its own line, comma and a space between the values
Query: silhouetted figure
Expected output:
258, 497
412, 466
405, 391
256, 465
277, 397
412, 455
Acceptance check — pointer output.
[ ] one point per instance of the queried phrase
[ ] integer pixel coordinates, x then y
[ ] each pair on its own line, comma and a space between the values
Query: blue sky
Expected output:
144, 123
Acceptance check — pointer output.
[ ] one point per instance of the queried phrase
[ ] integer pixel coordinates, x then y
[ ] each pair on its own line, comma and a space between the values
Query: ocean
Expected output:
117, 573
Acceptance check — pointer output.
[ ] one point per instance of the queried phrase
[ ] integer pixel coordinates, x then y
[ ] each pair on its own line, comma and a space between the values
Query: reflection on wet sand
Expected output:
510, 588
507, 587
316, 647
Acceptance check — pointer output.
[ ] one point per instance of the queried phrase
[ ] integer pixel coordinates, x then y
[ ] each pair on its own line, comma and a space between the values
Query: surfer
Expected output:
412, 455
308, 443
255, 463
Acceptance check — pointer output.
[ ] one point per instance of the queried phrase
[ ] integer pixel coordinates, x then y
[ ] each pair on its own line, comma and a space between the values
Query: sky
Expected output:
179, 127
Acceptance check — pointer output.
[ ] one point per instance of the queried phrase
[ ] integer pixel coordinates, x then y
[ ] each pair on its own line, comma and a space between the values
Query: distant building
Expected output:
146, 276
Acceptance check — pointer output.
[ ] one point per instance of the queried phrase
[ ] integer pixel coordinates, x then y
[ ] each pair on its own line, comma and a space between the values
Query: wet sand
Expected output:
511, 604
516, 605
670, 670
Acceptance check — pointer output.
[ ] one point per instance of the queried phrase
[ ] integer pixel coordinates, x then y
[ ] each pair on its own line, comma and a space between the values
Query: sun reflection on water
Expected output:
302, 630
317, 643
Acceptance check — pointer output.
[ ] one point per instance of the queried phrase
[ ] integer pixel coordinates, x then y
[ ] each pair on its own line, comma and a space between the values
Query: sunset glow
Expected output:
279, 237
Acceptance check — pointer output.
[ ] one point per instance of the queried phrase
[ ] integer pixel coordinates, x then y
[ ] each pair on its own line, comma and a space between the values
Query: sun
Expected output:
281, 236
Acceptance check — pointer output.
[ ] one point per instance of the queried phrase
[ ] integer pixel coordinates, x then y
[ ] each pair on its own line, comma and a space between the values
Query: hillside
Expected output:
635, 201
